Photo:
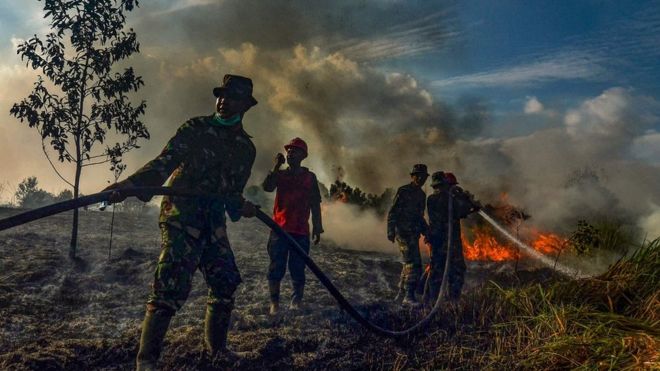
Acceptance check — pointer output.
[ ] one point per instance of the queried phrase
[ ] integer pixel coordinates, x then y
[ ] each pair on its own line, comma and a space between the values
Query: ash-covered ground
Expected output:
85, 314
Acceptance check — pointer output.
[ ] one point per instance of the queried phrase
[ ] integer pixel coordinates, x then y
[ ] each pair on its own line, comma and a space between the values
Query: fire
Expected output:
486, 248
549, 243
483, 246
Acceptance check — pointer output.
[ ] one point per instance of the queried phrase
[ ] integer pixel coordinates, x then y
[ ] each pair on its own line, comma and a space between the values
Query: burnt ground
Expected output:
85, 314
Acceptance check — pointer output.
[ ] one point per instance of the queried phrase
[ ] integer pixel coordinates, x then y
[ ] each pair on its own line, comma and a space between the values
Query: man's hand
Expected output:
248, 210
316, 237
279, 160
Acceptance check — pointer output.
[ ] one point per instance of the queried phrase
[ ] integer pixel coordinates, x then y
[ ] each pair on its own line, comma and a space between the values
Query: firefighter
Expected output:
445, 185
211, 154
405, 223
297, 195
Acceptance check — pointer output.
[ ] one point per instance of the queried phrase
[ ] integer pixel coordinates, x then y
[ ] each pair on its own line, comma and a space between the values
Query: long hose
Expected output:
59, 207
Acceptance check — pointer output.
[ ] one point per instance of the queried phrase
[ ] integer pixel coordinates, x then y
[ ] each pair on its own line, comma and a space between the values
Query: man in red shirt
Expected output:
297, 194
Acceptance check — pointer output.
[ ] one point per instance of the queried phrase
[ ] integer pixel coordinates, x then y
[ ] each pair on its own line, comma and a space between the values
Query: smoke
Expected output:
355, 229
314, 77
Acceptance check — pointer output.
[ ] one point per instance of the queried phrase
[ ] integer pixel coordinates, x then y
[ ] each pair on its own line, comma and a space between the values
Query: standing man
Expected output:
297, 195
405, 223
207, 154
445, 186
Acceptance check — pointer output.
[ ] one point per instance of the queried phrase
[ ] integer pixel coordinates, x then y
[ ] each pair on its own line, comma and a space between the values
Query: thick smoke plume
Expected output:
314, 77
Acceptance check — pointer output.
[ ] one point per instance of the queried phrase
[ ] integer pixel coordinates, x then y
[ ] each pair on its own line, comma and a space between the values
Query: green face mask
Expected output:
231, 121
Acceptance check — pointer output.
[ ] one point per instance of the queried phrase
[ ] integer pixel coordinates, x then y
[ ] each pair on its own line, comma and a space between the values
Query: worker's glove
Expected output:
248, 210
119, 196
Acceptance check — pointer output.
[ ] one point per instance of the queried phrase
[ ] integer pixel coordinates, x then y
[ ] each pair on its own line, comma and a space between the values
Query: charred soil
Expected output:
56, 313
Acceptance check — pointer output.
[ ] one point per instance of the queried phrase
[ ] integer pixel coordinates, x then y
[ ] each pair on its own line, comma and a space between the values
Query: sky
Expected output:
556, 103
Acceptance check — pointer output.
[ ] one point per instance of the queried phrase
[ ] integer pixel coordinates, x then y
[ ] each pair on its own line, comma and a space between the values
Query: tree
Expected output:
29, 195
84, 98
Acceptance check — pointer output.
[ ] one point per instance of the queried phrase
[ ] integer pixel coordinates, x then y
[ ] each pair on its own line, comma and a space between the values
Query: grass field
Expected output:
58, 314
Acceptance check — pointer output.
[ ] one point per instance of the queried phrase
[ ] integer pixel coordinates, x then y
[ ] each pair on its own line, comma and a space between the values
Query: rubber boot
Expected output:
154, 328
216, 327
296, 298
274, 289
409, 299
400, 295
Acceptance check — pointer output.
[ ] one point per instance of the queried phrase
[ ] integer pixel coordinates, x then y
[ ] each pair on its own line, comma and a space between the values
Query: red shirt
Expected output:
293, 200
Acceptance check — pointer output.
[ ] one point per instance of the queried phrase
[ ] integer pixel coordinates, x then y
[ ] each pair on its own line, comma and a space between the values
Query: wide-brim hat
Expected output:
236, 87
419, 169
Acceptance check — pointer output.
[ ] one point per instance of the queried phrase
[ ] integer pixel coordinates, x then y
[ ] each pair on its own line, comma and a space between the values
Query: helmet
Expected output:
438, 179
298, 143
451, 178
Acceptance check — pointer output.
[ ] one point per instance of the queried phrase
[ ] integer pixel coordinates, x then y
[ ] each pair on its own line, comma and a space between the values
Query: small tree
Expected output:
88, 38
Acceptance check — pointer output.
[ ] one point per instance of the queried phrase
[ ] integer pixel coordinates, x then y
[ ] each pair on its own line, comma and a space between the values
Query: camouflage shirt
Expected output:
206, 157
407, 213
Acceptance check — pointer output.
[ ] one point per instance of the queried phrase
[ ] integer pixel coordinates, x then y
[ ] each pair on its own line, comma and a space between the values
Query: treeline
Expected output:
342, 192
29, 195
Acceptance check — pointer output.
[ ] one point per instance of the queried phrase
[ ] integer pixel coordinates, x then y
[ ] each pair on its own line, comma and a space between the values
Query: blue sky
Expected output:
558, 51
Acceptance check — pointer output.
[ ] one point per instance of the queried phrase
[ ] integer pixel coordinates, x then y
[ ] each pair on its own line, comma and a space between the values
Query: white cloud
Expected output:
564, 66
647, 147
533, 105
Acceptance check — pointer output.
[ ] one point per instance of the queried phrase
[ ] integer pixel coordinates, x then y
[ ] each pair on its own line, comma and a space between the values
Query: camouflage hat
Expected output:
419, 169
236, 87
438, 179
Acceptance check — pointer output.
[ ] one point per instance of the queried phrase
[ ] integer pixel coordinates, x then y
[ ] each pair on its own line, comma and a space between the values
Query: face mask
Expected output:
231, 121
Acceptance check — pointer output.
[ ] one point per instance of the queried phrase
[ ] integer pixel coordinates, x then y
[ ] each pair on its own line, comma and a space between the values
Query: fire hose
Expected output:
63, 206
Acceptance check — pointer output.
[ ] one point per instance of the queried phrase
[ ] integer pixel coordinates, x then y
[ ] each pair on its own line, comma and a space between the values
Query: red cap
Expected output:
298, 143
451, 178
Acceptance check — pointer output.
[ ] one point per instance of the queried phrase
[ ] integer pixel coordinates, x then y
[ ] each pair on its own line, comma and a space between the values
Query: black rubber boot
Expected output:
296, 299
274, 290
216, 327
154, 328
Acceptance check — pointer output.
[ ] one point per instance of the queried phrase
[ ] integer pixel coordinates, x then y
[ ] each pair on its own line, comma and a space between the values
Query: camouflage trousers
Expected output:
456, 274
183, 251
411, 260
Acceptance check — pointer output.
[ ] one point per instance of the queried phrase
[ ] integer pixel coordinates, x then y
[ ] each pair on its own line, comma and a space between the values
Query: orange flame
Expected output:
485, 247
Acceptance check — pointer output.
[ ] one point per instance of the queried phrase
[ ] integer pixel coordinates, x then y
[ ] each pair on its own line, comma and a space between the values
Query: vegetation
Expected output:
340, 191
29, 195
83, 99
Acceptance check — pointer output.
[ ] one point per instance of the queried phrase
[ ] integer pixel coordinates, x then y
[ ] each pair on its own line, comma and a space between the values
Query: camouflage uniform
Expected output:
437, 206
405, 220
206, 157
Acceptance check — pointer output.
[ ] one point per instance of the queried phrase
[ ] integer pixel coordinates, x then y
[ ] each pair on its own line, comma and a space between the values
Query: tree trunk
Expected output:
74, 230
79, 159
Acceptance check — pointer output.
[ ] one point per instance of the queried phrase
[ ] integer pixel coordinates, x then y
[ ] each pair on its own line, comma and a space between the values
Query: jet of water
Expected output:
533, 253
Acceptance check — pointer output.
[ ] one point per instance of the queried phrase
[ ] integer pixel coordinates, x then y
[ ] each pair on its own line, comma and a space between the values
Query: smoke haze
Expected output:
315, 76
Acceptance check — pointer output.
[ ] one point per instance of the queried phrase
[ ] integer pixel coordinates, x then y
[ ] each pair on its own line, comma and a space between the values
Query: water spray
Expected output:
531, 252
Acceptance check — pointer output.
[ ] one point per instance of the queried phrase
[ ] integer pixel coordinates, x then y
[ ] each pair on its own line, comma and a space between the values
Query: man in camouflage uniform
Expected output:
463, 204
211, 154
405, 223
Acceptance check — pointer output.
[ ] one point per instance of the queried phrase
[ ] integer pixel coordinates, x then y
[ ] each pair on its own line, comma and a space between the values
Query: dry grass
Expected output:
57, 315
